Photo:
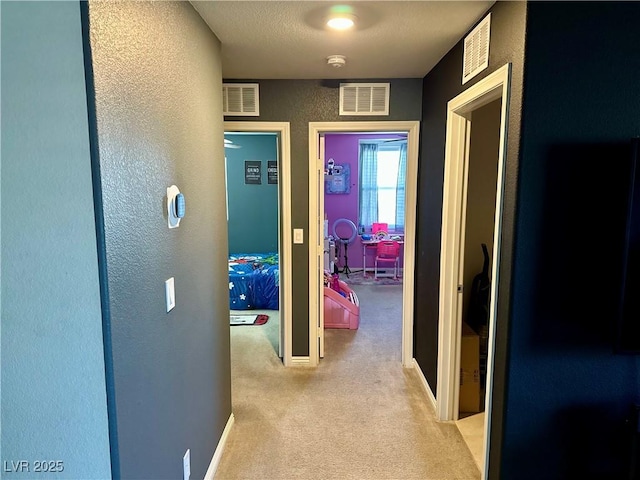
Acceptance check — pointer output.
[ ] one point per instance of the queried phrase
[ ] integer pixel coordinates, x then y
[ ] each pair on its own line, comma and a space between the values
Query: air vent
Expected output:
476, 50
240, 99
364, 99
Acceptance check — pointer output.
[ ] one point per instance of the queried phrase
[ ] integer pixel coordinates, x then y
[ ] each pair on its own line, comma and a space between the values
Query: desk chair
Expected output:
387, 253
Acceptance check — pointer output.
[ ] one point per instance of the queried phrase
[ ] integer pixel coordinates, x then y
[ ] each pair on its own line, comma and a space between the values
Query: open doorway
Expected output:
472, 212
251, 160
258, 215
484, 143
317, 146
364, 193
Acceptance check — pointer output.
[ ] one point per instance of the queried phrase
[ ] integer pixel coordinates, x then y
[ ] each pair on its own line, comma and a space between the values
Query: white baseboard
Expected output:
425, 384
300, 361
217, 455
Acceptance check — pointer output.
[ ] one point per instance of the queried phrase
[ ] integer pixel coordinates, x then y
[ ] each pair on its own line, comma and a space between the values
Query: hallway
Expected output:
359, 415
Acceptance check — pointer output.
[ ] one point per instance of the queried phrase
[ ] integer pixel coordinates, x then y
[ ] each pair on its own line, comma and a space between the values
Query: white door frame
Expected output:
284, 229
412, 128
458, 133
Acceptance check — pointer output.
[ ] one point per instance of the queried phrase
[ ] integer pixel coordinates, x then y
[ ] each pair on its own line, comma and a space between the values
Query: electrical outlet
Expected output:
186, 465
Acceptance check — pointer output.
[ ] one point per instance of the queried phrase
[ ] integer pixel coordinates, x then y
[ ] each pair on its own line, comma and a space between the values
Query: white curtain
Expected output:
400, 187
368, 184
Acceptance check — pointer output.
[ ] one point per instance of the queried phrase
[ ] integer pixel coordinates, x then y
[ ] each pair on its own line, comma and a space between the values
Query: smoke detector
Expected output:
336, 61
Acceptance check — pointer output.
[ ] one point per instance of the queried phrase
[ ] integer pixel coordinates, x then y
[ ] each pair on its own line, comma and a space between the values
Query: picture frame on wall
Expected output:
272, 172
338, 180
252, 172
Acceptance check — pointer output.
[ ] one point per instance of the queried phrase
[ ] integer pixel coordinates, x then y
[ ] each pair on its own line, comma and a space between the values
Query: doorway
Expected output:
283, 175
316, 227
460, 119
363, 193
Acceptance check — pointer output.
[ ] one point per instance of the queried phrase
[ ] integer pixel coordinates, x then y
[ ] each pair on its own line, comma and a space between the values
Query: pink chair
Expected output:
387, 253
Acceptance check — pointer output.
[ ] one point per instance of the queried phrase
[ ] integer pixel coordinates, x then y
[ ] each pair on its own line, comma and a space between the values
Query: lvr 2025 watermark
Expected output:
38, 466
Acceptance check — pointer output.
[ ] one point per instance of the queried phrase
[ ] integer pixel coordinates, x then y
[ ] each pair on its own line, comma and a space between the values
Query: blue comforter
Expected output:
254, 281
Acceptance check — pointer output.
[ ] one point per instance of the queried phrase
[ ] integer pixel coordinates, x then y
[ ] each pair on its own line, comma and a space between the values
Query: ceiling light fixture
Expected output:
336, 61
340, 17
341, 21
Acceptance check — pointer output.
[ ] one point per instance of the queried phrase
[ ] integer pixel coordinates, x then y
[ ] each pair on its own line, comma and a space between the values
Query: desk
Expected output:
372, 243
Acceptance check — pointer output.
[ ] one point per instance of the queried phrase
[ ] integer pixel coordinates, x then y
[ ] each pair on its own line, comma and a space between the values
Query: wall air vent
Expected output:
240, 99
364, 99
476, 50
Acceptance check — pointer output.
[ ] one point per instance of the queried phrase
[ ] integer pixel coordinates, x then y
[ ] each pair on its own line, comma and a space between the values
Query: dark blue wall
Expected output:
253, 209
568, 394
158, 113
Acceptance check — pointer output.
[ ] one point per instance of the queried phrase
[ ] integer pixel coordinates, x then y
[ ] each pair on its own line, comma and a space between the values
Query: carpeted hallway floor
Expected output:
359, 415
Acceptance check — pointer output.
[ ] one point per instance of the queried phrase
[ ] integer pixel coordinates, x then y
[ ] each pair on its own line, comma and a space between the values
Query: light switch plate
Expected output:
170, 293
186, 465
298, 235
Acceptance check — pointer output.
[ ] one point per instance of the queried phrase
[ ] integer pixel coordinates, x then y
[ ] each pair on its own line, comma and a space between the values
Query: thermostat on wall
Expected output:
175, 206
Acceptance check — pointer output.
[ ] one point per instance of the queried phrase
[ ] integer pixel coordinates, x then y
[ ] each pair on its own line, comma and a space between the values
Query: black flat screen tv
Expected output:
628, 334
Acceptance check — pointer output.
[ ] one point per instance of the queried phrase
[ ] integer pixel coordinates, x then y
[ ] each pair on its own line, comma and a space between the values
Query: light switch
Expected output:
170, 293
298, 235
186, 465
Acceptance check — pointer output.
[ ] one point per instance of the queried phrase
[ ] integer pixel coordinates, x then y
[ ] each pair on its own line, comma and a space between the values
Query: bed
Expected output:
254, 281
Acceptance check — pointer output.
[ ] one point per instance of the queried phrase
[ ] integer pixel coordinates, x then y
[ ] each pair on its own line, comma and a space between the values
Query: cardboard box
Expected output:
470, 392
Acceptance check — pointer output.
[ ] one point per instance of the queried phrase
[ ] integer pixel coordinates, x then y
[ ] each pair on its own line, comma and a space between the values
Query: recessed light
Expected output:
341, 21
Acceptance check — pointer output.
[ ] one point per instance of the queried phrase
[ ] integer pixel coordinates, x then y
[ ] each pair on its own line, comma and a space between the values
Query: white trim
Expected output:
412, 128
314, 274
425, 385
284, 234
300, 361
459, 111
217, 455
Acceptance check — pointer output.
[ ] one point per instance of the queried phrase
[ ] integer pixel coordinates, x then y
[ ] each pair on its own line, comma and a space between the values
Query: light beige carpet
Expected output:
359, 415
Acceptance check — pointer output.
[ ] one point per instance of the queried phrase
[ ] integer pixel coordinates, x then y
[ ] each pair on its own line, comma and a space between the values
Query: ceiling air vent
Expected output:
364, 99
476, 50
240, 99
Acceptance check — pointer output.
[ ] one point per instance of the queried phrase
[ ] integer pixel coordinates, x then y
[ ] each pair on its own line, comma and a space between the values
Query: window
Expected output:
382, 184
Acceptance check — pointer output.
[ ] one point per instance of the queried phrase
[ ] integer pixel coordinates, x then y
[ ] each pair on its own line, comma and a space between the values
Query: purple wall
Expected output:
343, 148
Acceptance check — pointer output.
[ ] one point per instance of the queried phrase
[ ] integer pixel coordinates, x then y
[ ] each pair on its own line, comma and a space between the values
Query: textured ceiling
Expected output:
286, 39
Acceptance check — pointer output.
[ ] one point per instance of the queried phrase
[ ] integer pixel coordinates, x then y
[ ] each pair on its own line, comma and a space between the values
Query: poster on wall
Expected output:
252, 172
337, 181
272, 171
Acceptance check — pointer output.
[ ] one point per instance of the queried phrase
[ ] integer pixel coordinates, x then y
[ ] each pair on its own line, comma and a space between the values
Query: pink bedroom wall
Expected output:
343, 148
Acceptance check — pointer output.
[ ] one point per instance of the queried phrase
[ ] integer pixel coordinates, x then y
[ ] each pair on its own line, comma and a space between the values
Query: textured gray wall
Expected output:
157, 80
300, 102
442, 84
54, 405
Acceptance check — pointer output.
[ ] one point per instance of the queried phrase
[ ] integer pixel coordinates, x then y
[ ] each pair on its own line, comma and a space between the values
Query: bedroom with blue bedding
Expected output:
253, 219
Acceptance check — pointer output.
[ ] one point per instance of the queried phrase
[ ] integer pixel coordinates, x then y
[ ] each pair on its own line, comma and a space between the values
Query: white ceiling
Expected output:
287, 39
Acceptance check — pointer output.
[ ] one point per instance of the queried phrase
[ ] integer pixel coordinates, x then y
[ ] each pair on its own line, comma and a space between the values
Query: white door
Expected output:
459, 302
281, 298
320, 243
